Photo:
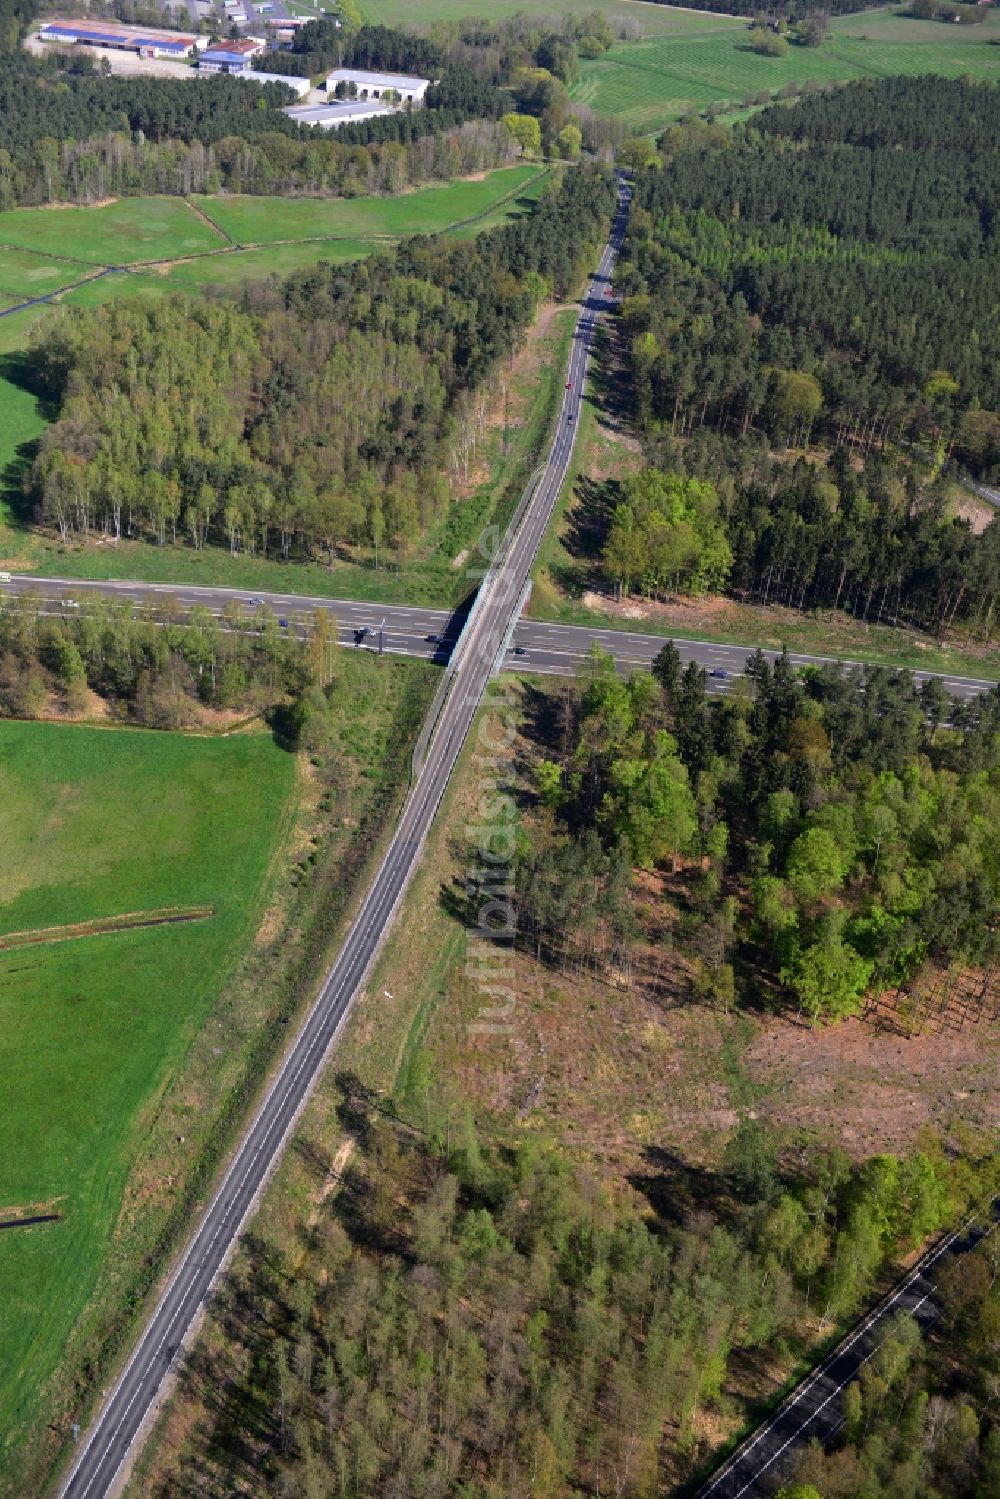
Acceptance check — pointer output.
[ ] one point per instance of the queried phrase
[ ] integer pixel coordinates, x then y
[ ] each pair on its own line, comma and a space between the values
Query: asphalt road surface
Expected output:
987, 492
550, 649
813, 1410
133, 1397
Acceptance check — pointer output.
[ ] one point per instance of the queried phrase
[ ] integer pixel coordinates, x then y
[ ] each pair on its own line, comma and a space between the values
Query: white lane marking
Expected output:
821, 1370
373, 928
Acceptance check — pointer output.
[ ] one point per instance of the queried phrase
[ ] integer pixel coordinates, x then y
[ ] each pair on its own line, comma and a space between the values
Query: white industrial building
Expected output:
300, 86
377, 85
338, 112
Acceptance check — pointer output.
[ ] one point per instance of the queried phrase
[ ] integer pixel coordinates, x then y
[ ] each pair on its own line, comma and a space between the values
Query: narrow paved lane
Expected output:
134, 1396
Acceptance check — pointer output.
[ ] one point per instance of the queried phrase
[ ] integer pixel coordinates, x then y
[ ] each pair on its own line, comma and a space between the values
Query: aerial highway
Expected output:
535, 646
130, 1403
812, 1411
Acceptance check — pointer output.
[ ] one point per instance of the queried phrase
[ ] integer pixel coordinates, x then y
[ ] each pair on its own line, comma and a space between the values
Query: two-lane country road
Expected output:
814, 1409
133, 1398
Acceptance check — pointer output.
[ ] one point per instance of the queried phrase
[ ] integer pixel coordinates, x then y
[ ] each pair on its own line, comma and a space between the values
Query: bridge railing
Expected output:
433, 717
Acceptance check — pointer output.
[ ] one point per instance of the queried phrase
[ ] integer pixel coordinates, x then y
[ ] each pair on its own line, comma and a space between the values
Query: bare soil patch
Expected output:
977, 514
505, 402
873, 1092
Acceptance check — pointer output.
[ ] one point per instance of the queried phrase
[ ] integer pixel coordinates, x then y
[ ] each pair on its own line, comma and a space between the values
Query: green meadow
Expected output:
255, 265
119, 233
44, 250
25, 274
649, 83
97, 823
427, 210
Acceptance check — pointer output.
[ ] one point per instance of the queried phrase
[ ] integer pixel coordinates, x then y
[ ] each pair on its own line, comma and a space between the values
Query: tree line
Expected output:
803, 535
477, 1317
330, 411
130, 165
792, 10
830, 831
156, 666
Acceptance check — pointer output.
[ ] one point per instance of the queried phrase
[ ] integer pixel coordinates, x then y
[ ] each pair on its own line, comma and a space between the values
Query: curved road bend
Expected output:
812, 1411
133, 1397
550, 649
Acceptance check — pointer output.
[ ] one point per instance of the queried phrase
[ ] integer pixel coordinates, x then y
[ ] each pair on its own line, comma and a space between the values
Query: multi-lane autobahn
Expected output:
133, 1398
534, 646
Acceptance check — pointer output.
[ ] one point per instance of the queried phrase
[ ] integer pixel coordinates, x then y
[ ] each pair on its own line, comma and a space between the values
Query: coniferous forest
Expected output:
810, 304
476, 1321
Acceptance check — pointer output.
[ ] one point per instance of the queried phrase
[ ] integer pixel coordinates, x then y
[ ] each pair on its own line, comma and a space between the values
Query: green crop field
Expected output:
428, 210
94, 823
649, 83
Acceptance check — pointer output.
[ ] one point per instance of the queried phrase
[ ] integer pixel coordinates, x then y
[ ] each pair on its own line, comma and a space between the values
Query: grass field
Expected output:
24, 274
15, 331
95, 823
428, 210
44, 250
254, 265
120, 233
649, 83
